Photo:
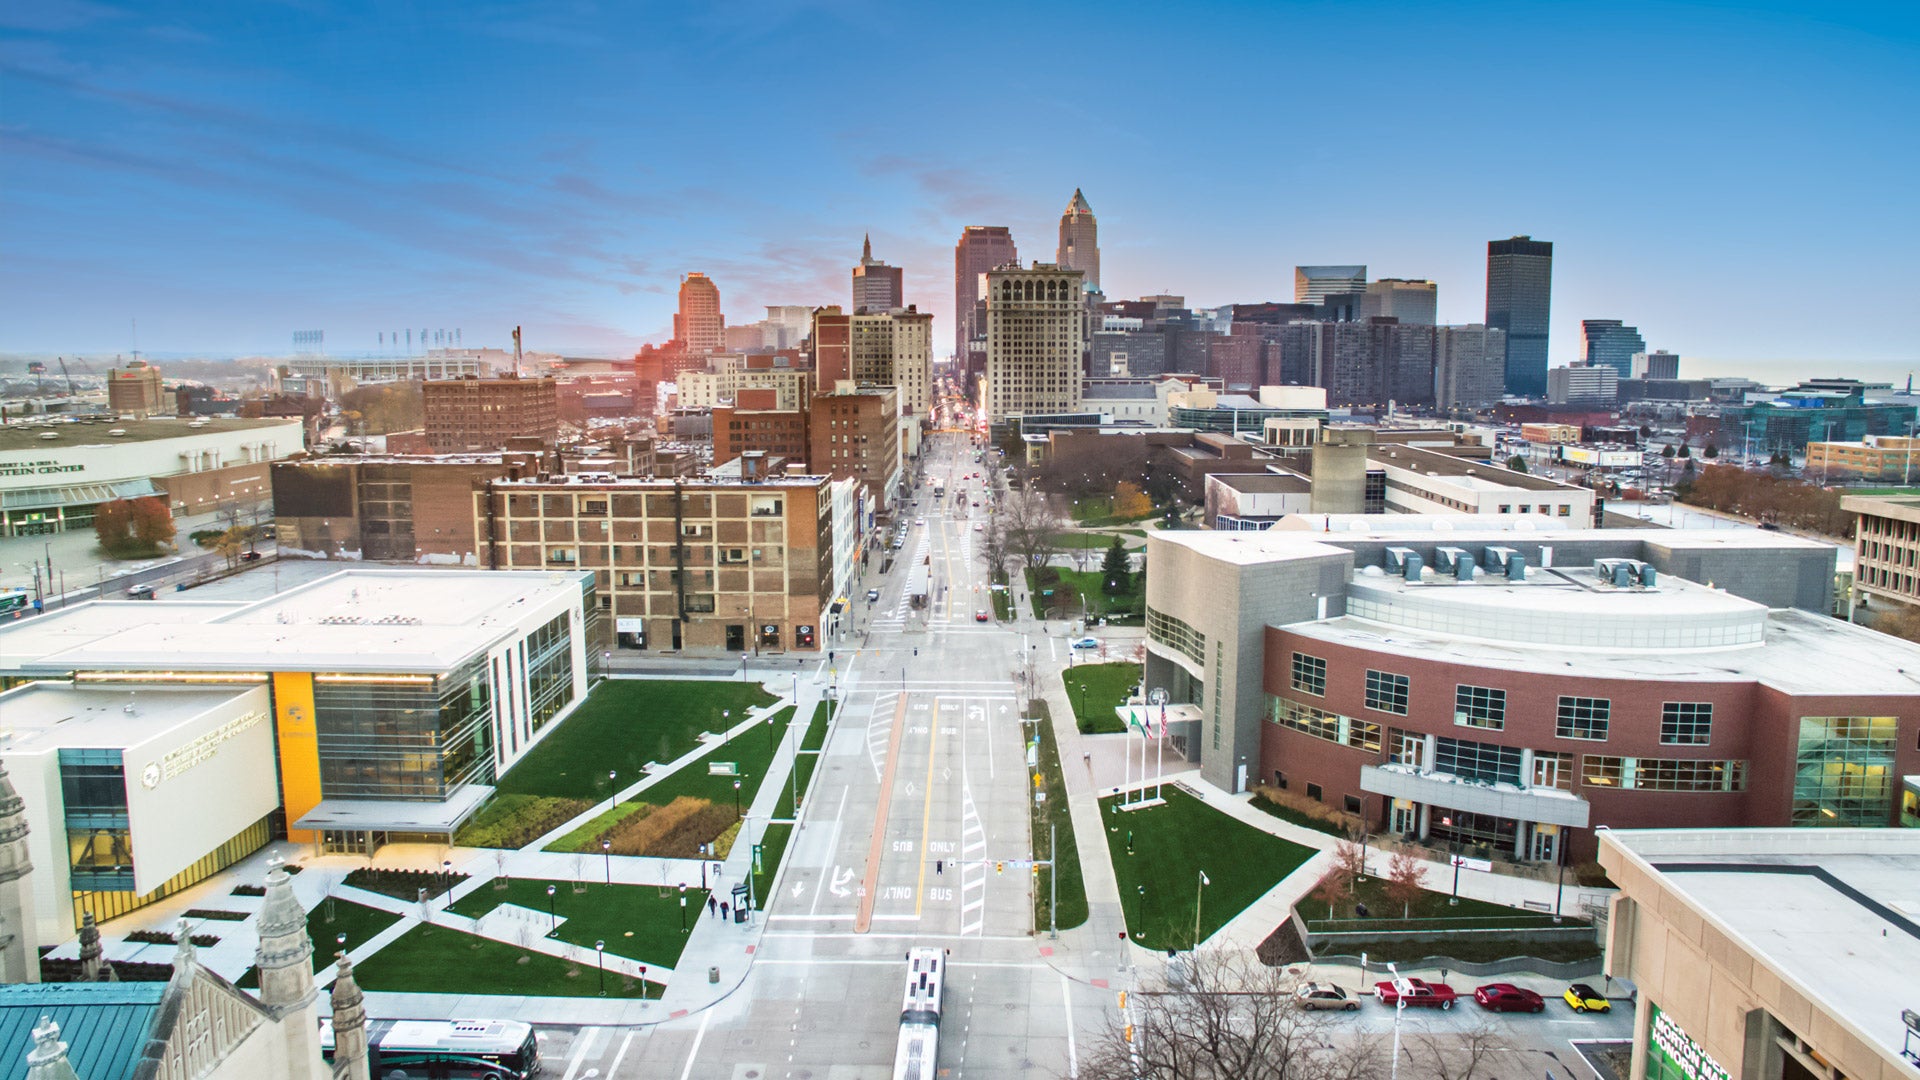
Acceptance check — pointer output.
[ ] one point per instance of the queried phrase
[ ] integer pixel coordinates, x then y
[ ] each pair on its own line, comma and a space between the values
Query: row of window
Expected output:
1682, 723
1177, 634
1334, 728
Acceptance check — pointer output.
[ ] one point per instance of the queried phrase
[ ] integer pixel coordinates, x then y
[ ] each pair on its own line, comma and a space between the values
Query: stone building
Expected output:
1036, 333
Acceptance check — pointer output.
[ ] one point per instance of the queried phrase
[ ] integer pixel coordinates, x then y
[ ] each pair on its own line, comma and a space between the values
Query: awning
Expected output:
384, 815
49, 498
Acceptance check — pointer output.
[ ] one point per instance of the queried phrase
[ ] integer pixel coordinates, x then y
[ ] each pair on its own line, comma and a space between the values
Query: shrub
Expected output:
514, 821
403, 884
217, 915
249, 890
1309, 813
674, 831
161, 937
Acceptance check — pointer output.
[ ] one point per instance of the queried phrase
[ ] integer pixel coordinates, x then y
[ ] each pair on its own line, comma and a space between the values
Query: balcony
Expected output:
1550, 806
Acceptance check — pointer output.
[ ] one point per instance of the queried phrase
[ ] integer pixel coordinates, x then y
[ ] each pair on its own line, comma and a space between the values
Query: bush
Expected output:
673, 831
403, 884
514, 821
1305, 812
161, 937
217, 915
249, 890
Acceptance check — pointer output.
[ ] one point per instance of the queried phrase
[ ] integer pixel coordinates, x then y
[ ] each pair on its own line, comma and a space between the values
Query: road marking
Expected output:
698, 1036
833, 845
1066, 1006
869, 890
926, 813
621, 1056
587, 1037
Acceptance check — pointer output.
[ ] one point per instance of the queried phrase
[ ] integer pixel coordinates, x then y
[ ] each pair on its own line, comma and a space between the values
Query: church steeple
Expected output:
349, 1026
48, 1058
19, 957
285, 956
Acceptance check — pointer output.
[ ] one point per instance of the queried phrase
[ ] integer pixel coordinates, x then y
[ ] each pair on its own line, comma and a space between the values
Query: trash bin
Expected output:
713, 975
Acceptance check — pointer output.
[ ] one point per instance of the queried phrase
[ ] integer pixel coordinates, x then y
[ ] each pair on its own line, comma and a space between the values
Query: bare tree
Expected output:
1405, 872
1231, 1019
1456, 1055
1028, 520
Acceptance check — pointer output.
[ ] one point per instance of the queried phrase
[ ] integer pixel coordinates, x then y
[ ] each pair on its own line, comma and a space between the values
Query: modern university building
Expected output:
157, 743
1507, 691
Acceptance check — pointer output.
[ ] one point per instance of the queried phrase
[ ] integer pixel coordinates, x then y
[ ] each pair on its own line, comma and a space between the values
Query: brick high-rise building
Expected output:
465, 415
854, 433
135, 390
754, 422
832, 346
981, 248
699, 326
1036, 329
876, 286
1520, 302
894, 348
1080, 240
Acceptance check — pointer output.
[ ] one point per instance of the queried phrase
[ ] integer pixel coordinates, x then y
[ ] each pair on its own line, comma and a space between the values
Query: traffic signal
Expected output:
1123, 1001
999, 868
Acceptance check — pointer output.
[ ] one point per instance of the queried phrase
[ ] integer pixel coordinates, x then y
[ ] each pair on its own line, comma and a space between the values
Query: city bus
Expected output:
12, 600
915, 1057
447, 1049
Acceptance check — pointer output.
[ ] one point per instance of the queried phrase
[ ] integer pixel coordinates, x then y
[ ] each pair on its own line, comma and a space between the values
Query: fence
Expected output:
1572, 969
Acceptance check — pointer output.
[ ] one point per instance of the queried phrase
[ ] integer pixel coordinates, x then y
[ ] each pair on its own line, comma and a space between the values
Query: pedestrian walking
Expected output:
713, 906
723, 911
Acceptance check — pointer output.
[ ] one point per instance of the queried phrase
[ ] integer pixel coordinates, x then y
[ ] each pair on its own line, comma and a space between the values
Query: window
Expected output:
1176, 634
1662, 774
1584, 718
1309, 674
1480, 706
1321, 724
1843, 771
1386, 692
1488, 762
1313, 792
1686, 723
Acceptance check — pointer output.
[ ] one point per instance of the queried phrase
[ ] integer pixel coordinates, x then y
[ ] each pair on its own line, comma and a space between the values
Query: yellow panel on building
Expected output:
299, 748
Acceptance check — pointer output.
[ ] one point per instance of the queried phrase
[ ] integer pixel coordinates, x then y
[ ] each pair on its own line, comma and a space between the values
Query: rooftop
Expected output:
1477, 473
105, 1025
398, 620
87, 431
1834, 912
44, 717
1263, 483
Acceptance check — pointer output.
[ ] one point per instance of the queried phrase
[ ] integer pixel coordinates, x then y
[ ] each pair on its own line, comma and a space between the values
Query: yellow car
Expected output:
1585, 998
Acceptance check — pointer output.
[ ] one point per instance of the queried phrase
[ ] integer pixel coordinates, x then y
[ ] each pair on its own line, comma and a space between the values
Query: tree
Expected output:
133, 528
1713, 450
1899, 620
1129, 501
1686, 451
231, 543
1028, 521
1516, 463
1351, 856
1333, 886
1667, 451
1457, 1055
1116, 573
1405, 872
1231, 1018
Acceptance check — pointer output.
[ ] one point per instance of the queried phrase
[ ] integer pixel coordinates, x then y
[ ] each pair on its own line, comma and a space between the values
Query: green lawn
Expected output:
358, 922
1076, 584
814, 739
751, 753
635, 921
773, 846
1171, 846
1089, 541
1095, 689
1052, 824
623, 724
1430, 912
439, 960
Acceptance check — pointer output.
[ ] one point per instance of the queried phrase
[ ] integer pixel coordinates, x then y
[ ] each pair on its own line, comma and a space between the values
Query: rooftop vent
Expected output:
1397, 558
1516, 567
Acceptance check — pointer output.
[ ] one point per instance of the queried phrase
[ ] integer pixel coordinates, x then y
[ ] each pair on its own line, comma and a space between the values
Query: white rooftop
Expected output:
1779, 893
41, 718
355, 620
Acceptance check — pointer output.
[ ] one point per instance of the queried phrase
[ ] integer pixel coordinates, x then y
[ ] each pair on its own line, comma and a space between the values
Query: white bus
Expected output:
447, 1049
915, 1059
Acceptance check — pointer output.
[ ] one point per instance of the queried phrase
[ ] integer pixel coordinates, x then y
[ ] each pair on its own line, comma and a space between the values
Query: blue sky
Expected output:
1737, 180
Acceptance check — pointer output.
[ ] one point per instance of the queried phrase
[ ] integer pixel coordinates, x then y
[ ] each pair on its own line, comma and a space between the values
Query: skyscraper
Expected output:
1413, 302
1312, 284
894, 348
1519, 301
981, 248
1469, 366
1036, 322
876, 286
699, 327
1080, 240
1612, 343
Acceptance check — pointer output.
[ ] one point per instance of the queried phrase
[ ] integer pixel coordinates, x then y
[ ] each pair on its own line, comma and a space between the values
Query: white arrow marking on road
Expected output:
840, 881
797, 889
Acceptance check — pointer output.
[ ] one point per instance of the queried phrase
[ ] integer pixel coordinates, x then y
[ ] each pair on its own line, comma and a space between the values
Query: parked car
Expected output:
1420, 993
1585, 998
1325, 996
1506, 997
1087, 643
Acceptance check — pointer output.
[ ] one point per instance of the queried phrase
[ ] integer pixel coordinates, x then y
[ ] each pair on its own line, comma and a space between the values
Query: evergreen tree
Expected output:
1114, 569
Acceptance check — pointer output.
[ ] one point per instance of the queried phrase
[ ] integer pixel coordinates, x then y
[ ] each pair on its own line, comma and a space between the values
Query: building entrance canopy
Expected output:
48, 498
384, 815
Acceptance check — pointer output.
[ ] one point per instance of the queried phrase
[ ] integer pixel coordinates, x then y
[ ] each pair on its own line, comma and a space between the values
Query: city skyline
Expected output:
222, 182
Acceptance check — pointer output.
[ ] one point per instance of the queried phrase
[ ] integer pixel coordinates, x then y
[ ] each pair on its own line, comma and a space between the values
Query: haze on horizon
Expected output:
1734, 180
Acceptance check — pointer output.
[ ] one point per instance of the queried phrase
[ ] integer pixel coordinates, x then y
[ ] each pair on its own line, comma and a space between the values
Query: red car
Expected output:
1506, 997
1420, 993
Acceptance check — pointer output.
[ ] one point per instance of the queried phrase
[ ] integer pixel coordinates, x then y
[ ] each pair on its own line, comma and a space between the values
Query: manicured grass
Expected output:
1074, 584
1095, 689
1172, 846
1070, 541
805, 763
1053, 824
514, 821
1430, 912
358, 922
623, 724
751, 752
439, 960
635, 921
773, 847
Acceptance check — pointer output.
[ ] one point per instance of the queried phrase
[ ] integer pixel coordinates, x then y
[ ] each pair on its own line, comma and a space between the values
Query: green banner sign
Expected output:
1673, 1055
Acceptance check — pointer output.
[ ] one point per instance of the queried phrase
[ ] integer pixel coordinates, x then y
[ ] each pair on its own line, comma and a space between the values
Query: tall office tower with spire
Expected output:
1611, 343
876, 286
699, 327
1080, 240
1519, 301
981, 248
1312, 284
1036, 334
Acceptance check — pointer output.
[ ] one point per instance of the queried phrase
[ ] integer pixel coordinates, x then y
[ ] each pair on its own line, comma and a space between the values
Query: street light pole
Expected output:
736, 798
1400, 988
553, 920
600, 953
613, 793
606, 856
